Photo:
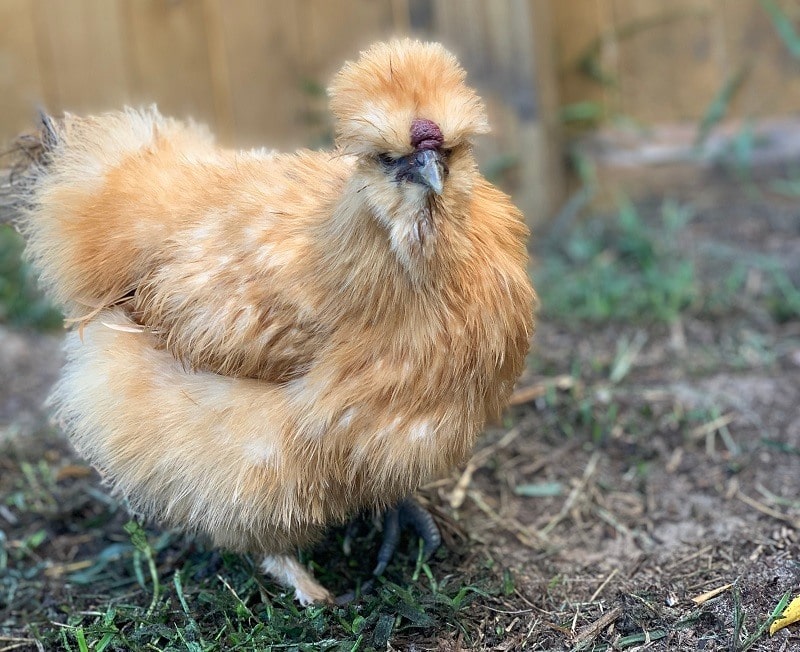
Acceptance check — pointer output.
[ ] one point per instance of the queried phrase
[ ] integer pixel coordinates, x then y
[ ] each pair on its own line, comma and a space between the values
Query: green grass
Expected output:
79, 575
741, 642
774, 292
236, 610
136, 595
118, 606
21, 303
624, 269
618, 270
783, 26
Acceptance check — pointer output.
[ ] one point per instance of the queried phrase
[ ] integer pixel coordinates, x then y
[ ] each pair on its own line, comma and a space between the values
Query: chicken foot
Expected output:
288, 572
408, 513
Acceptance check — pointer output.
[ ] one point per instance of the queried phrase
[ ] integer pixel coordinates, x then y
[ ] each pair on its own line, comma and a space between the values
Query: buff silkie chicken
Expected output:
271, 343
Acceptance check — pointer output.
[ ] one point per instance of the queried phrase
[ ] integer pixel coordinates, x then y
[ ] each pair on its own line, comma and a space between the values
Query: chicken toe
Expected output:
408, 513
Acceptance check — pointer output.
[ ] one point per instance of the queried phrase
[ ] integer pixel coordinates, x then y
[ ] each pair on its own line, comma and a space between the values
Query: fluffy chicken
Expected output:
270, 343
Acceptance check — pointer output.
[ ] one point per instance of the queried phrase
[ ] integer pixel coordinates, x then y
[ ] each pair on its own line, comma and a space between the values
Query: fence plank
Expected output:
541, 135
586, 53
669, 68
330, 33
168, 57
80, 45
333, 31
21, 88
262, 47
772, 84
505, 46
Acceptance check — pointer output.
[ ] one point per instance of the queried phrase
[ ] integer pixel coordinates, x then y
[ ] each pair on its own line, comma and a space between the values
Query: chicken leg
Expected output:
408, 513
288, 572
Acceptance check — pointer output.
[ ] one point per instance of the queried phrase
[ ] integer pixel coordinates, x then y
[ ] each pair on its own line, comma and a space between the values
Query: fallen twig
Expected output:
603, 585
459, 492
590, 632
591, 465
767, 510
713, 593
527, 394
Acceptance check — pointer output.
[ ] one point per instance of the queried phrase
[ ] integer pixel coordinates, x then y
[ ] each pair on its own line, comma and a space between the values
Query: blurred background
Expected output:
256, 71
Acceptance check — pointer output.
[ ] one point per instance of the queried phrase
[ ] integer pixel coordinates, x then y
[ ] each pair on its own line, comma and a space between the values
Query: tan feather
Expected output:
293, 337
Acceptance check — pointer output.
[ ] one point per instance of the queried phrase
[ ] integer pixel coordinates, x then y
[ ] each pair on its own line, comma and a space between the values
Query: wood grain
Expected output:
21, 86
169, 58
80, 44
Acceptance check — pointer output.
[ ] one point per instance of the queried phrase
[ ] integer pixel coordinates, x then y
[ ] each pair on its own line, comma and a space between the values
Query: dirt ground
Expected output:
640, 467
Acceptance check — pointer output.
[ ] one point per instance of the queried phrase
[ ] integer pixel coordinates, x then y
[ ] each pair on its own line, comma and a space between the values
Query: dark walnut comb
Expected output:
425, 134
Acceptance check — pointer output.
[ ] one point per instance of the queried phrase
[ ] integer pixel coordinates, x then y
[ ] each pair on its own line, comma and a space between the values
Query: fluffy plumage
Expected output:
272, 342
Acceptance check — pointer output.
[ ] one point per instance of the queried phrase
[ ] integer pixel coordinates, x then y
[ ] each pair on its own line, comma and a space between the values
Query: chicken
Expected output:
270, 343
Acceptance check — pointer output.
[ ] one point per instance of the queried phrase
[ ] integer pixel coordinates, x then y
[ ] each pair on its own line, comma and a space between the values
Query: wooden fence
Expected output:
256, 69
657, 61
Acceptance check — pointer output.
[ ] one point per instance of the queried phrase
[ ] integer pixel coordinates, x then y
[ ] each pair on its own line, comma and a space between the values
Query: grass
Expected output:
21, 303
233, 610
783, 26
740, 641
114, 585
759, 281
619, 269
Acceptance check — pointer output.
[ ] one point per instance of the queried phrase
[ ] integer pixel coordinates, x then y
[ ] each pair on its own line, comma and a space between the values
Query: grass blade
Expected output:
139, 540
719, 106
783, 25
763, 627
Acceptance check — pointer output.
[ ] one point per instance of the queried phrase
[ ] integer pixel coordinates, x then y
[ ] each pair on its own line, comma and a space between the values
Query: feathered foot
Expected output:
288, 572
407, 513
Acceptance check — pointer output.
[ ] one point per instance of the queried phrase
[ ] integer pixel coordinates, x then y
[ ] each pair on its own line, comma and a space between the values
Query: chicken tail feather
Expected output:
29, 156
90, 222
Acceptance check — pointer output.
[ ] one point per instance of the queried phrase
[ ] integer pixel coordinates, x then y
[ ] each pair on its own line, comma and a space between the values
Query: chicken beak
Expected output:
429, 170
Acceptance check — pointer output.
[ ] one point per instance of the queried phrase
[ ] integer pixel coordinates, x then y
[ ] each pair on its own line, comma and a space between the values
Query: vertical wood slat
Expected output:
667, 65
219, 70
583, 34
21, 87
169, 58
541, 136
80, 46
262, 49
334, 31
505, 46
772, 85
466, 34
330, 33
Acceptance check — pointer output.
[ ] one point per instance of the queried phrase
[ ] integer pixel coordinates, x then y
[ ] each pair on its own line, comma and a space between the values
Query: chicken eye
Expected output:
386, 160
